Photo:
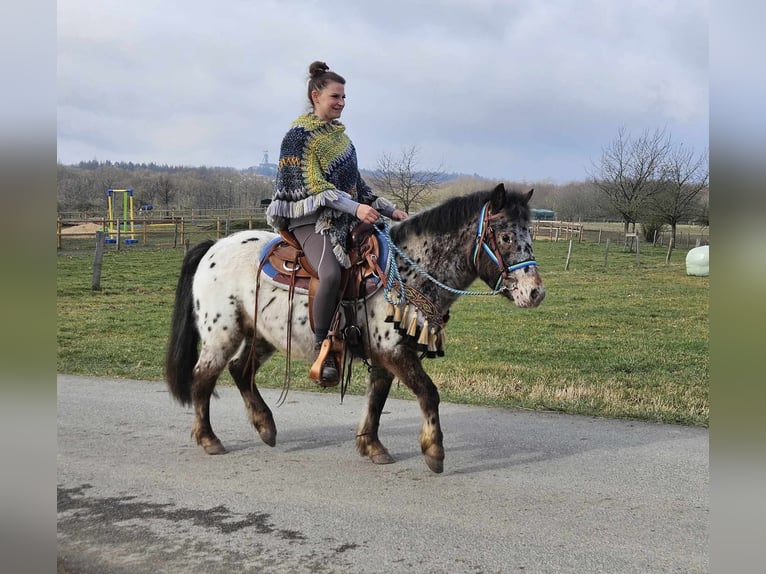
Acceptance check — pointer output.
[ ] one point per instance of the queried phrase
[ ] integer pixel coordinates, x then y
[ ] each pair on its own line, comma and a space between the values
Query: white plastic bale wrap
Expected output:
698, 261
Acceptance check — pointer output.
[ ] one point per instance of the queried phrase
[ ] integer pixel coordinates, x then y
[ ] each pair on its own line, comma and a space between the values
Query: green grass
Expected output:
625, 341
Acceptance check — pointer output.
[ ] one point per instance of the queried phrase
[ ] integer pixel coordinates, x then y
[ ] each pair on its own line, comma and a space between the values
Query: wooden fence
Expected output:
686, 236
170, 230
554, 230
76, 234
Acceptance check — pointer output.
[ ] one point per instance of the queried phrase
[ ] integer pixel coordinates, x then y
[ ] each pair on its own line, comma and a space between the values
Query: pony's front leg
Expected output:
406, 365
367, 441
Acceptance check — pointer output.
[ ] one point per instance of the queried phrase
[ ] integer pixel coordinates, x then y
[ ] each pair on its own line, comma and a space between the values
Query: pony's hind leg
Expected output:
367, 441
404, 363
213, 356
203, 384
241, 369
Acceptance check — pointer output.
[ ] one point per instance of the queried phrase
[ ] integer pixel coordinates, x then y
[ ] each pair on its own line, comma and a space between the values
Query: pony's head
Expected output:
503, 253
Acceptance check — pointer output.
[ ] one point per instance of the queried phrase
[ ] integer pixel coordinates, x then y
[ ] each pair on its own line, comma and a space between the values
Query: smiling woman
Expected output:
320, 196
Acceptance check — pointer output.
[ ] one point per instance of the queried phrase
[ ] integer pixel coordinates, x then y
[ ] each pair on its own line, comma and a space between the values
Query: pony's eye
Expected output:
506, 238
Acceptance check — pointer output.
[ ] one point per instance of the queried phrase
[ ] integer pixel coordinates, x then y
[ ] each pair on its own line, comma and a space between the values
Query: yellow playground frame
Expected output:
127, 222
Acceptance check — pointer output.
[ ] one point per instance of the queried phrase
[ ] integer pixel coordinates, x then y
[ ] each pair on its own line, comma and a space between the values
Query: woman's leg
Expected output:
318, 250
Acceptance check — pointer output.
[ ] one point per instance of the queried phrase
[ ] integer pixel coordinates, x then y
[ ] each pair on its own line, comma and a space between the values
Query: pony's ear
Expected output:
528, 196
497, 201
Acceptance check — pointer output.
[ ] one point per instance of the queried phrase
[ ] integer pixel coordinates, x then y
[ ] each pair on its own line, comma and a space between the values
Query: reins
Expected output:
485, 241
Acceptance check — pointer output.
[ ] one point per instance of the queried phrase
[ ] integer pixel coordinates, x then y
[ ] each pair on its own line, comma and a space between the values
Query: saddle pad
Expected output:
275, 277
279, 279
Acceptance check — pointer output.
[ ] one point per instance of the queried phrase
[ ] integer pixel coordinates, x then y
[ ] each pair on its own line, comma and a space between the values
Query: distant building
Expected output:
265, 168
543, 214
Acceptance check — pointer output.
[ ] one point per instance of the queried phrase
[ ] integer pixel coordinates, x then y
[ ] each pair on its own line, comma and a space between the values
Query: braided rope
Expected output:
393, 271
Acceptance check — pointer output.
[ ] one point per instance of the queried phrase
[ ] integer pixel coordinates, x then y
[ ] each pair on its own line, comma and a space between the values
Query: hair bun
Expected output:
318, 68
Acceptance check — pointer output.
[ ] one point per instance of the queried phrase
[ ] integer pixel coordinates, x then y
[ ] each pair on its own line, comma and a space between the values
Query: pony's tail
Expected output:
182, 353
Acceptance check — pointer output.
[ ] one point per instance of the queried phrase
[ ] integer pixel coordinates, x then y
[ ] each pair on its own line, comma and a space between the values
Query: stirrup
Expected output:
325, 371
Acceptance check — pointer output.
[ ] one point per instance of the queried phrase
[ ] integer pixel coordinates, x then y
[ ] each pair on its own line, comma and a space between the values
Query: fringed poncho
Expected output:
316, 160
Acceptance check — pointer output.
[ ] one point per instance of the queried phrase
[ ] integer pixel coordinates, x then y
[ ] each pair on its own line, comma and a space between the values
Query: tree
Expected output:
576, 201
685, 177
402, 181
166, 191
629, 173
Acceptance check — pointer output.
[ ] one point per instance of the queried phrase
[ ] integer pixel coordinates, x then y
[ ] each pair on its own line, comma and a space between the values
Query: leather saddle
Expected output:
285, 263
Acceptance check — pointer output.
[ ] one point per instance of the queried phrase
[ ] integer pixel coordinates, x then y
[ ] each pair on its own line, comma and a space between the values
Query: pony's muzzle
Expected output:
527, 291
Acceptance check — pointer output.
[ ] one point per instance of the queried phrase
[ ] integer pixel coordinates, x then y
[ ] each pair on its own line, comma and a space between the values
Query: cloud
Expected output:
492, 87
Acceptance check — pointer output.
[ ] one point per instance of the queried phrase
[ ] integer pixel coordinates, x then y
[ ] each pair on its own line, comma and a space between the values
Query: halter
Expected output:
485, 241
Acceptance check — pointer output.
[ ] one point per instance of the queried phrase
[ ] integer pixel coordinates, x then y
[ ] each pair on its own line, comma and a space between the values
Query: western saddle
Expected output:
363, 278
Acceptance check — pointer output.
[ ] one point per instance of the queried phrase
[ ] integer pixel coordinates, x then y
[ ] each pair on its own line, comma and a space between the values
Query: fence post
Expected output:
606, 254
599, 236
97, 261
183, 230
569, 256
58, 233
638, 251
119, 234
218, 227
670, 250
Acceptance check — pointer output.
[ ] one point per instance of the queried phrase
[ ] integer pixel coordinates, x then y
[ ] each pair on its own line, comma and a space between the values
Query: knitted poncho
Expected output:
316, 159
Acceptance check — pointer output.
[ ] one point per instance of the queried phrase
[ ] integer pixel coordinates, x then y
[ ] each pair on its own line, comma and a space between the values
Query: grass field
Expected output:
622, 341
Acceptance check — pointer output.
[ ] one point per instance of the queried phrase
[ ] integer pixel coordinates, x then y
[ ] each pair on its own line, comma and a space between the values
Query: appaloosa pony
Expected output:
436, 255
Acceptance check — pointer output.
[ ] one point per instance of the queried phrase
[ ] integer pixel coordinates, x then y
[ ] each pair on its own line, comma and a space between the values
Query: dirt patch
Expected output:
82, 229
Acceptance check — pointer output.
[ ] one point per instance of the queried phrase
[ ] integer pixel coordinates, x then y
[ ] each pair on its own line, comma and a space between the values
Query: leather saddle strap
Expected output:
251, 358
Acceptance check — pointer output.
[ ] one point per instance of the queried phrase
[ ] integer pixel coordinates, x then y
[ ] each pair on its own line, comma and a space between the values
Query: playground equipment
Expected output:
127, 222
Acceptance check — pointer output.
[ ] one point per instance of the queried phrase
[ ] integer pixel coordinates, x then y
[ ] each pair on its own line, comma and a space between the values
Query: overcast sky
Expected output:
511, 89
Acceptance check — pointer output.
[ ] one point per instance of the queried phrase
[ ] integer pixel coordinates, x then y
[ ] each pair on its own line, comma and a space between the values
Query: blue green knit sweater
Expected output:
317, 161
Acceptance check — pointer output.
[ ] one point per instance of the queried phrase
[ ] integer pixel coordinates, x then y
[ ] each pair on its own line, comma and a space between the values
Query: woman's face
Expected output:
329, 102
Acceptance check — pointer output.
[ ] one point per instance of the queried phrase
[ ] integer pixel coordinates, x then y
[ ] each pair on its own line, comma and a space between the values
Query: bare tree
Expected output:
166, 191
685, 178
577, 201
629, 172
75, 192
401, 180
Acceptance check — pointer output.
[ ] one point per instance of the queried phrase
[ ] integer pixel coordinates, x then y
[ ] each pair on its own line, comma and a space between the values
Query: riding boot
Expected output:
324, 370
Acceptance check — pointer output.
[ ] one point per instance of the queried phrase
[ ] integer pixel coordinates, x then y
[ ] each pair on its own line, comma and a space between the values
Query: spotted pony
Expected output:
442, 251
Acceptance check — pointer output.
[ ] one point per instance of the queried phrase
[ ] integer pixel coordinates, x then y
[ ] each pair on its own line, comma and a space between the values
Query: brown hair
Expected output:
319, 76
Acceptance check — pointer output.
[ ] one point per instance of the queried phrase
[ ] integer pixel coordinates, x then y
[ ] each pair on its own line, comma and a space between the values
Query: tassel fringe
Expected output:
409, 321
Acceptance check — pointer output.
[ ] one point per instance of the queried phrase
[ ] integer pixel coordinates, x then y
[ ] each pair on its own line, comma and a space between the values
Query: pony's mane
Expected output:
456, 211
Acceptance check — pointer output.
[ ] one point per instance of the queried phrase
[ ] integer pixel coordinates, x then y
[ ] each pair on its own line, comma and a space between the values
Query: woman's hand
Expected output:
399, 215
367, 214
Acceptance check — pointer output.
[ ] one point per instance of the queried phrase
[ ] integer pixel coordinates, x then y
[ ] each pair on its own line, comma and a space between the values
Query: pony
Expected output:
437, 254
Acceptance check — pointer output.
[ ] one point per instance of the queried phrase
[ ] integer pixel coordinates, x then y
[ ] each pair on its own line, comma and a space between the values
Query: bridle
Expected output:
486, 242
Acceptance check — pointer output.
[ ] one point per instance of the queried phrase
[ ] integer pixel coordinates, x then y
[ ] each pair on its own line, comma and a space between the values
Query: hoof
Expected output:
269, 436
382, 458
215, 448
436, 465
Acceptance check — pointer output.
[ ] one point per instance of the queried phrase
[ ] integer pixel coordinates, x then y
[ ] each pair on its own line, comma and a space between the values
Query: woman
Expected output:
320, 196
